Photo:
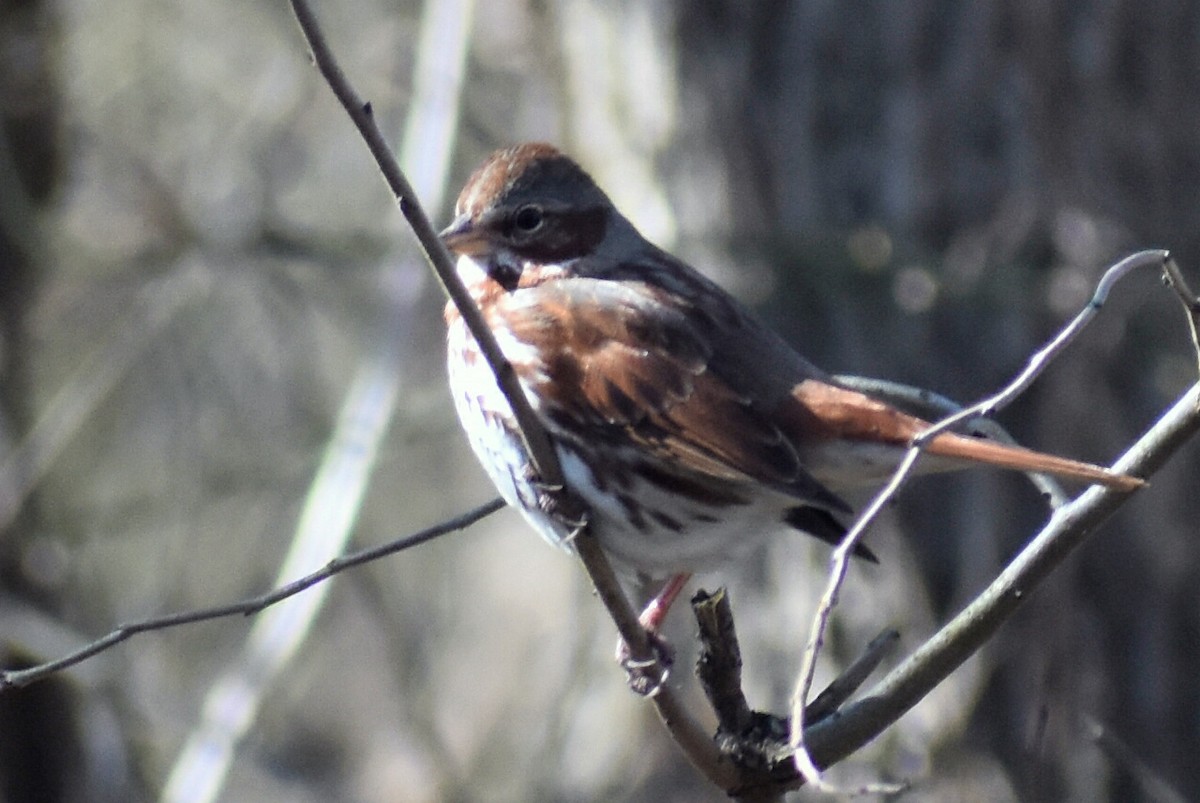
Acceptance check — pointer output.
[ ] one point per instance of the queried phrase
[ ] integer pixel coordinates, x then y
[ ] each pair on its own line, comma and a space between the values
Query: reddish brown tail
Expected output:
829, 412
1021, 459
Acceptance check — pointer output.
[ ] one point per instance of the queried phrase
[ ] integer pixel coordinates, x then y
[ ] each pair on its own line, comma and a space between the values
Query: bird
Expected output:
688, 429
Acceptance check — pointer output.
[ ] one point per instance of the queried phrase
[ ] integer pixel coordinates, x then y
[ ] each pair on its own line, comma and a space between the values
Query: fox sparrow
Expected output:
687, 428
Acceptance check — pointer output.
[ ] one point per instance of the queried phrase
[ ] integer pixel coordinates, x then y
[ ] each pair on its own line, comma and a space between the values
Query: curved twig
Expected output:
1156, 258
836, 737
839, 563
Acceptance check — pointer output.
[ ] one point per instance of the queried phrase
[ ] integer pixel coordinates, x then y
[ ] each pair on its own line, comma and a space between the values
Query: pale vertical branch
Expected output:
620, 119
337, 491
332, 507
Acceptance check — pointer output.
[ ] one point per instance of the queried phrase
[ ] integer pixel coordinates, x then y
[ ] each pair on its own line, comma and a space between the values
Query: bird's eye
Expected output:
528, 219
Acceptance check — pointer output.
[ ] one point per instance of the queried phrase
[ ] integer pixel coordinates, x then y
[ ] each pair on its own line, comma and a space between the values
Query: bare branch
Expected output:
841, 556
839, 564
536, 440
542, 453
844, 686
833, 739
719, 665
1039, 361
246, 607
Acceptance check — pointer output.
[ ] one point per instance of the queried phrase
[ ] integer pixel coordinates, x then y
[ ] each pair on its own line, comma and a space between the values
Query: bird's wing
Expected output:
611, 363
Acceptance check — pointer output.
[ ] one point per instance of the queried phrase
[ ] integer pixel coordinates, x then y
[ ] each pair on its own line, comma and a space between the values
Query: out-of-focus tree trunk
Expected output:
42, 758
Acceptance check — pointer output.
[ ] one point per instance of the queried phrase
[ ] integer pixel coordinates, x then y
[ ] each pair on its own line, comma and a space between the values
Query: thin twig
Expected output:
608, 589
841, 556
834, 738
841, 689
539, 447
249, 606
1157, 258
931, 406
536, 440
839, 564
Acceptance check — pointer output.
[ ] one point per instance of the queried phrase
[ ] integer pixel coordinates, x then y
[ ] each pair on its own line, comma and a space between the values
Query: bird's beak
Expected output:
464, 237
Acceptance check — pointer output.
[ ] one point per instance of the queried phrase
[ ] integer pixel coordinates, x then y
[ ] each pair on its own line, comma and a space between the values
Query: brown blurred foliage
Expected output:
195, 251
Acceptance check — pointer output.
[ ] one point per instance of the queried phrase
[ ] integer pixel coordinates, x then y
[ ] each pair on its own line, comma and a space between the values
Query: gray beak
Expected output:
464, 237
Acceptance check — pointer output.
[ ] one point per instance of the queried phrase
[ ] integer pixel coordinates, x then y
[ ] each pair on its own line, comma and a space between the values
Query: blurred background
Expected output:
216, 333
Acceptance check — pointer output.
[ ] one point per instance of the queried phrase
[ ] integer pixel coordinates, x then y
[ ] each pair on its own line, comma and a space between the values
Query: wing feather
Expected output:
632, 369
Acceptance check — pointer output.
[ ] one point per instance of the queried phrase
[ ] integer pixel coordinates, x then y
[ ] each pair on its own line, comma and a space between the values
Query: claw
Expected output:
575, 528
554, 500
647, 676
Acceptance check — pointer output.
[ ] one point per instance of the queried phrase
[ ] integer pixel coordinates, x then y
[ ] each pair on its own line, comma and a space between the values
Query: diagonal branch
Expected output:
537, 441
838, 736
841, 557
686, 731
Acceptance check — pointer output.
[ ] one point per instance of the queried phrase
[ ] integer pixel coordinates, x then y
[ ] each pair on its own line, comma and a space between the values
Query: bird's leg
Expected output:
657, 608
647, 675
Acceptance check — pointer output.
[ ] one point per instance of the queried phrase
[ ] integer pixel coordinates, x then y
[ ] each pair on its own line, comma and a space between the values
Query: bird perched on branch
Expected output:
687, 428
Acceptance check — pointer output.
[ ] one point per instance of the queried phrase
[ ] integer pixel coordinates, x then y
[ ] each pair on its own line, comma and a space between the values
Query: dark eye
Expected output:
528, 219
